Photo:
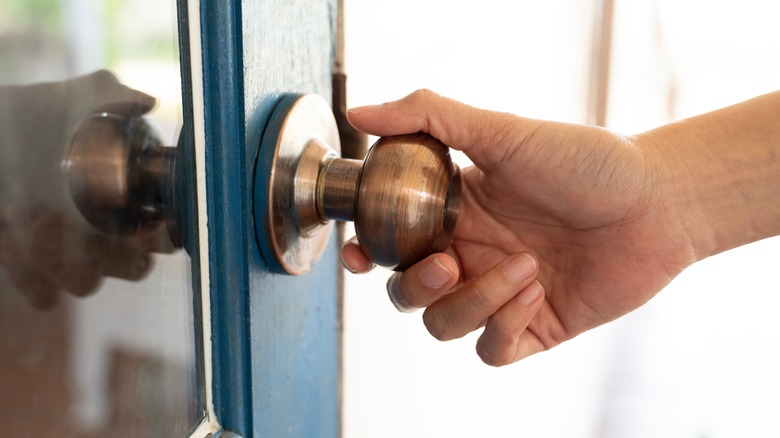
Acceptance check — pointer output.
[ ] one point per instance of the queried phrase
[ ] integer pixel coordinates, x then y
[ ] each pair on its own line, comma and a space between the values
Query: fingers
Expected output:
102, 91
484, 136
47, 254
124, 261
128, 102
354, 259
465, 309
64, 256
29, 280
505, 339
424, 283
504, 300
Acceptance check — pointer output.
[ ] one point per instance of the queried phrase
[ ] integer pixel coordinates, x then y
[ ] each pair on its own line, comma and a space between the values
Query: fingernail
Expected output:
434, 274
353, 241
347, 267
520, 268
394, 292
530, 294
361, 110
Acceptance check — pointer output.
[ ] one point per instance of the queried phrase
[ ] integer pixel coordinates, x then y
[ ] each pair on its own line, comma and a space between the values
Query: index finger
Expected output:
483, 135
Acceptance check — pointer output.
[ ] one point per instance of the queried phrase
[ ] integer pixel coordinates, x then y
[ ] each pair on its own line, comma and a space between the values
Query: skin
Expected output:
45, 250
566, 227
46, 253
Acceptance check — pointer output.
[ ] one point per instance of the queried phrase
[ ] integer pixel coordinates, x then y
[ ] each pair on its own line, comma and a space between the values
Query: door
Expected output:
156, 317
276, 338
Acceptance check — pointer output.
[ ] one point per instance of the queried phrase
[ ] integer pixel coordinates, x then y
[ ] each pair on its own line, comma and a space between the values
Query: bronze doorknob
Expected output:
403, 198
124, 181
116, 169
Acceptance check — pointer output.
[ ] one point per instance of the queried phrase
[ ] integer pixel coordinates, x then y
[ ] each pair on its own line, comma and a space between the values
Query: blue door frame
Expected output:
276, 339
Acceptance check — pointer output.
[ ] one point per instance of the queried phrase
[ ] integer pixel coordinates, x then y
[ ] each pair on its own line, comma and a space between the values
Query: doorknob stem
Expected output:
337, 190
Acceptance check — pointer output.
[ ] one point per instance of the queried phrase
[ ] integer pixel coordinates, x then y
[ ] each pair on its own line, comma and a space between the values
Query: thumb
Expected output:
484, 136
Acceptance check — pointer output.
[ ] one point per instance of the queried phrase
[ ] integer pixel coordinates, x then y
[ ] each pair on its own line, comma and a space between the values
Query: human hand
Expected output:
561, 228
45, 246
46, 253
37, 123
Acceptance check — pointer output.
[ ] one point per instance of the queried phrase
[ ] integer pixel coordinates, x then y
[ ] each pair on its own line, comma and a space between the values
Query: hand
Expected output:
37, 123
562, 228
45, 253
45, 247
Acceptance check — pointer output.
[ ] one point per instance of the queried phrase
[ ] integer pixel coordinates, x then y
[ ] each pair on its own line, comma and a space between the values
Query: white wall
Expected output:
700, 359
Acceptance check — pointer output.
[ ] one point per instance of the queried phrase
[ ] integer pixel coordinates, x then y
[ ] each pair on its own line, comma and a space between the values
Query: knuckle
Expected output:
421, 94
481, 297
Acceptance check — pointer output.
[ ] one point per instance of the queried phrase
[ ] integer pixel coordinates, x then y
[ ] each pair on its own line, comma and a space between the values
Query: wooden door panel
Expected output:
276, 338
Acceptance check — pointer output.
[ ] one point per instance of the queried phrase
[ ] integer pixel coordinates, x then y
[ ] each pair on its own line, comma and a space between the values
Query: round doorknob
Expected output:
124, 181
116, 169
403, 198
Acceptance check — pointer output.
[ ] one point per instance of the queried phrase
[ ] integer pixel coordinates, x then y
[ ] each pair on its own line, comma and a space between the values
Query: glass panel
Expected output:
97, 331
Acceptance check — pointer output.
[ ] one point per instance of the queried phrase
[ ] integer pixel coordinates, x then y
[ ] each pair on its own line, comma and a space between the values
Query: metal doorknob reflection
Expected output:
121, 178
403, 198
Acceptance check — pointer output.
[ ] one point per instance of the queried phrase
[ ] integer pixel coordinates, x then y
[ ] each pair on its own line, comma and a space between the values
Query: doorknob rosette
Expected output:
404, 197
300, 137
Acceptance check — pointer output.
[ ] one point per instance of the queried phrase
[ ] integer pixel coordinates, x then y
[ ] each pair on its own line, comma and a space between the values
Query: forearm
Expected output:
719, 173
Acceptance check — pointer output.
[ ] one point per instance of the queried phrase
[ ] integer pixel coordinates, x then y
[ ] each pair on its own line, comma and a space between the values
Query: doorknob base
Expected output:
301, 136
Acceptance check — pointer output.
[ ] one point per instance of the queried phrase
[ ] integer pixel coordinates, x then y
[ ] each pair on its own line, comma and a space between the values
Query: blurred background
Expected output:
701, 359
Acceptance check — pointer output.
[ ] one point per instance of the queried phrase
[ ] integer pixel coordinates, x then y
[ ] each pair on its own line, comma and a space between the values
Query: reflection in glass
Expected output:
97, 331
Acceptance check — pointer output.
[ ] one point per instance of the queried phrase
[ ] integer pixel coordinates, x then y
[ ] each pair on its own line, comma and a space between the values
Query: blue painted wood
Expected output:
276, 338
228, 218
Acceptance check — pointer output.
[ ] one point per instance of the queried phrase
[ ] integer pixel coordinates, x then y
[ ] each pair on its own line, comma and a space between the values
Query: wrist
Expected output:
681, 189
719, 174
